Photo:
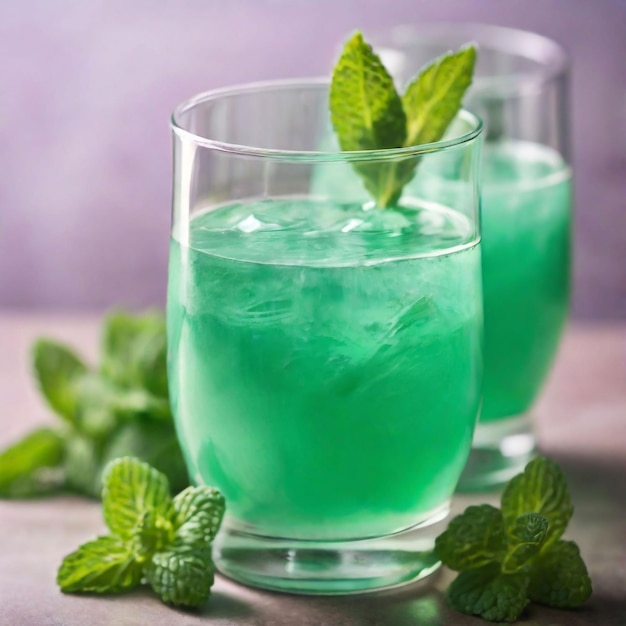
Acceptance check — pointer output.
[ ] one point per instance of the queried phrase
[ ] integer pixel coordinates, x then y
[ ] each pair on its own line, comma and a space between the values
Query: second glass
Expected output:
520, 92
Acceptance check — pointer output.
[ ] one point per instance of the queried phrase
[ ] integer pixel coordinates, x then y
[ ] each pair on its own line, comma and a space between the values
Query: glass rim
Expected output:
386, 154
551, 57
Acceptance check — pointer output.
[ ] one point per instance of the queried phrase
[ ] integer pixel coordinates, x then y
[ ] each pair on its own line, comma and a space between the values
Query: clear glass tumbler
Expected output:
521, 93
325, 355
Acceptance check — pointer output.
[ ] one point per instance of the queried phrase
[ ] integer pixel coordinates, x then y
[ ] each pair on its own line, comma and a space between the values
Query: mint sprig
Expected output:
119, 408
510, 557
367, 112
165, 541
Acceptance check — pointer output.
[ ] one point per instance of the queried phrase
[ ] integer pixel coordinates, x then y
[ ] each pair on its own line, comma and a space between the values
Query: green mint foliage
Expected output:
182, 577
154, 538
472, 539
525, 540
489, 593
56, 370
152, 533
198, 514
81, 465
559, 577
153, 442
95, 417
120, 408
432, 100
104, 565
511, 557
434, 97
134, 351
27, 467
541, 488
365, 107
367, 112
130, 491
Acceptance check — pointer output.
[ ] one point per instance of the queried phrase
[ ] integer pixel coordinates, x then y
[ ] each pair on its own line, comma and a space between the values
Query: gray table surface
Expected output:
580, 420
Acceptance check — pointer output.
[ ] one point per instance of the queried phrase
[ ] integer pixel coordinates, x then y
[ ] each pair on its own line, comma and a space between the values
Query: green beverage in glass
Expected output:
329, 388
520, 91
324, 355
526, 195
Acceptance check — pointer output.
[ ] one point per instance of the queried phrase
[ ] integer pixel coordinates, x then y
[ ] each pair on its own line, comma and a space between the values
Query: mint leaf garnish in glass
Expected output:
165, 541
367, 112
510, 557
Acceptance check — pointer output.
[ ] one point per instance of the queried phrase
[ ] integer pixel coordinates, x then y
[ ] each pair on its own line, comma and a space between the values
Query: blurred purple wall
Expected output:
86, 88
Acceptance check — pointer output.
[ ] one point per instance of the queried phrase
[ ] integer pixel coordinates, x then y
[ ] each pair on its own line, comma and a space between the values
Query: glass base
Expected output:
330, 567
500, 450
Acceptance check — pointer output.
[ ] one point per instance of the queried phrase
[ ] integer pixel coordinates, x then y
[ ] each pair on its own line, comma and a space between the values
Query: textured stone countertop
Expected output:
581, 421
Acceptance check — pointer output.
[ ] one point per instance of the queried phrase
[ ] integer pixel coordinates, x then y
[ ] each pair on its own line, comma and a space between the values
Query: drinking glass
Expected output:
521, 92
325, 355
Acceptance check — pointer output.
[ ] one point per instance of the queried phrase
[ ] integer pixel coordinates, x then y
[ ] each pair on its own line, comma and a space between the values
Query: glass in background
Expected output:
521, 92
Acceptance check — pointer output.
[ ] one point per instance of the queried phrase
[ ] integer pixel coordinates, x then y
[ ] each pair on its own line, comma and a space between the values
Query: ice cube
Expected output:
251, 223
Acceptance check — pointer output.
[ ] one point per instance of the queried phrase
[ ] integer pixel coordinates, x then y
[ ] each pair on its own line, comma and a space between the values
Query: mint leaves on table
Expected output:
120, 408
155, 538
31, 466
511, 556
367, 112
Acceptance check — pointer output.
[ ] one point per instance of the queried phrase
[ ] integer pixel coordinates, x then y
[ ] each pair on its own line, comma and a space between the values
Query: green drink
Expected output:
330, 386
526, 190
324, 353
520, 90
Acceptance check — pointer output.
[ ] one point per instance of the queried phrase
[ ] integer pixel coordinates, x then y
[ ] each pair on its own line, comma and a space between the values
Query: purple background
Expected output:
86, 88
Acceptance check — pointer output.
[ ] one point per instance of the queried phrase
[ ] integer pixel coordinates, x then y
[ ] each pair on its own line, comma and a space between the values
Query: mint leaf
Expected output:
183, 574
432, 100
488, 593
134, 351
25, 465
559, 577
367, 114
153, 532
199, 513
153, 442
103, 565
103, 405
132, 489
128, 404
94, 414
365, 107
472, 539
542, 488
182, 577
82, 465
57, 369
525, 539
434, 97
